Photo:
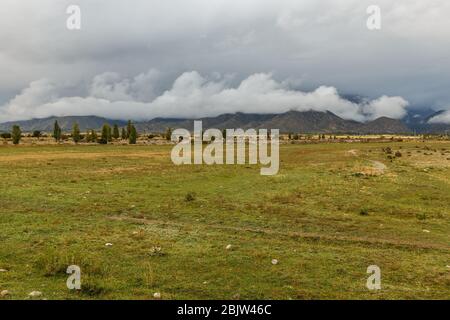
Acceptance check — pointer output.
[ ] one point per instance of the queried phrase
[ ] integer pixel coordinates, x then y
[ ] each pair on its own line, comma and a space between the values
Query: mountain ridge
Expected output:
291, 121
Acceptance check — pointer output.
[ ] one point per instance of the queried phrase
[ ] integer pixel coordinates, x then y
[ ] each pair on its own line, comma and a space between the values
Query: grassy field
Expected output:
333, 210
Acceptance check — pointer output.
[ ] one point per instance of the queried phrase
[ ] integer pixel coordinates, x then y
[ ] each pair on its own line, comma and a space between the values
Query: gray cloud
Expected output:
308, 44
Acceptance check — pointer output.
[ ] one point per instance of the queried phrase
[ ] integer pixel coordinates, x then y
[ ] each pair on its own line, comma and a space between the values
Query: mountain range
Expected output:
292, 121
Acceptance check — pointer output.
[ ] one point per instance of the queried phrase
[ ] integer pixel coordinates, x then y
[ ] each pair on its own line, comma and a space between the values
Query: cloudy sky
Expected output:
141, 59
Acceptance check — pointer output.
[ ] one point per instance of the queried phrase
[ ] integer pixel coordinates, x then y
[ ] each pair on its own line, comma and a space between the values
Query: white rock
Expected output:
448, 266
4, 293
228, 247
426, 231
157, 295
108, 244
3, 270
274, 261
35, 294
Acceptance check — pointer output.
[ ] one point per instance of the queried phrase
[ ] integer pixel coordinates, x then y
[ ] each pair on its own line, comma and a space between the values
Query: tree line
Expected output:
107, 134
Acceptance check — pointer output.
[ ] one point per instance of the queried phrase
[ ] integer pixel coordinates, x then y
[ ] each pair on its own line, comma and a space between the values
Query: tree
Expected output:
116, 134
133, 135
94, 136
129, 125
16, 134
36, 134
169, 134
76, 133
57, 132
124, 134
106, 131
109, 134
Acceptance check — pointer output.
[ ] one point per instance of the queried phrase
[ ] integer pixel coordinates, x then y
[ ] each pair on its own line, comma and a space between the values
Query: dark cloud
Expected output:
307, 44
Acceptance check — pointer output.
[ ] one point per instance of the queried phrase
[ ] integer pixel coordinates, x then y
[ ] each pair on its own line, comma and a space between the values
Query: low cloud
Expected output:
443, 118
191, 95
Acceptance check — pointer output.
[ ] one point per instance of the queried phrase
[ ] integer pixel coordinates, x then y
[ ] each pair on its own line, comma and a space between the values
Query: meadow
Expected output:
211, 232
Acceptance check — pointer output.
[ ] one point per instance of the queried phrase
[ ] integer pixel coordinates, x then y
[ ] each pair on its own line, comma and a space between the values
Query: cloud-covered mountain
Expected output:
191, 95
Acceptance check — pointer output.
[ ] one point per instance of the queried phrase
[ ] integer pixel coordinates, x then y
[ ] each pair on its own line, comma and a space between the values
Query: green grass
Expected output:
59, 205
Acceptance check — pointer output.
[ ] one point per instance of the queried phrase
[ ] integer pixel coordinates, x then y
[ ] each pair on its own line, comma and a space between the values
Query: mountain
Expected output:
436, 127
66, 123
292, 121
384, 125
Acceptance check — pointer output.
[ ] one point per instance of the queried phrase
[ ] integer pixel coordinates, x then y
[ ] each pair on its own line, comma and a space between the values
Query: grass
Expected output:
326, 217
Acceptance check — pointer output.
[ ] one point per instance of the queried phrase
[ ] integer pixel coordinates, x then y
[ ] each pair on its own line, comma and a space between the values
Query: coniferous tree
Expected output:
106, 131
16, 134
133, 135
57, 132
169, 134
76, 133
116, 134
88, 136
94, 136
129, 125
109, 134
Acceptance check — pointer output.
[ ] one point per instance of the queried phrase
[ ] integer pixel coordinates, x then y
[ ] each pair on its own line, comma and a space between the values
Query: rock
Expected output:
108, 244
228, 247
35, 294
3, 270
426, 231
157, 295
4, 293
237, 296
274, 261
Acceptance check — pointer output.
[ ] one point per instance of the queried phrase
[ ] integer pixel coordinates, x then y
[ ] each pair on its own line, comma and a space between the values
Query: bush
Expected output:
364, 212
398, 154
5, 135
190, 196
36, 134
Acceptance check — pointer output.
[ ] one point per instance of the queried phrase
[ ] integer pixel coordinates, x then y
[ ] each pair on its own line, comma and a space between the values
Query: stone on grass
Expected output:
3, 270
35, 294
157, 295
228, 247
108, 244
4, 293
426, 231
274, 261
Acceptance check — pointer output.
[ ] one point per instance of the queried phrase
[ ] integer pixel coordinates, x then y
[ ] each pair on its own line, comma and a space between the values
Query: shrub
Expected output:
5, 135
190, 196
364, 212
398, 154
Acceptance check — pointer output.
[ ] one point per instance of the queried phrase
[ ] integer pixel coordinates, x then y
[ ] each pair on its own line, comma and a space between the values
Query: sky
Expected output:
142, 59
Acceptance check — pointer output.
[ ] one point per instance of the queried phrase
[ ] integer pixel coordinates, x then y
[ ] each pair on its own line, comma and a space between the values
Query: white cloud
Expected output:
191, 95
441, 118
